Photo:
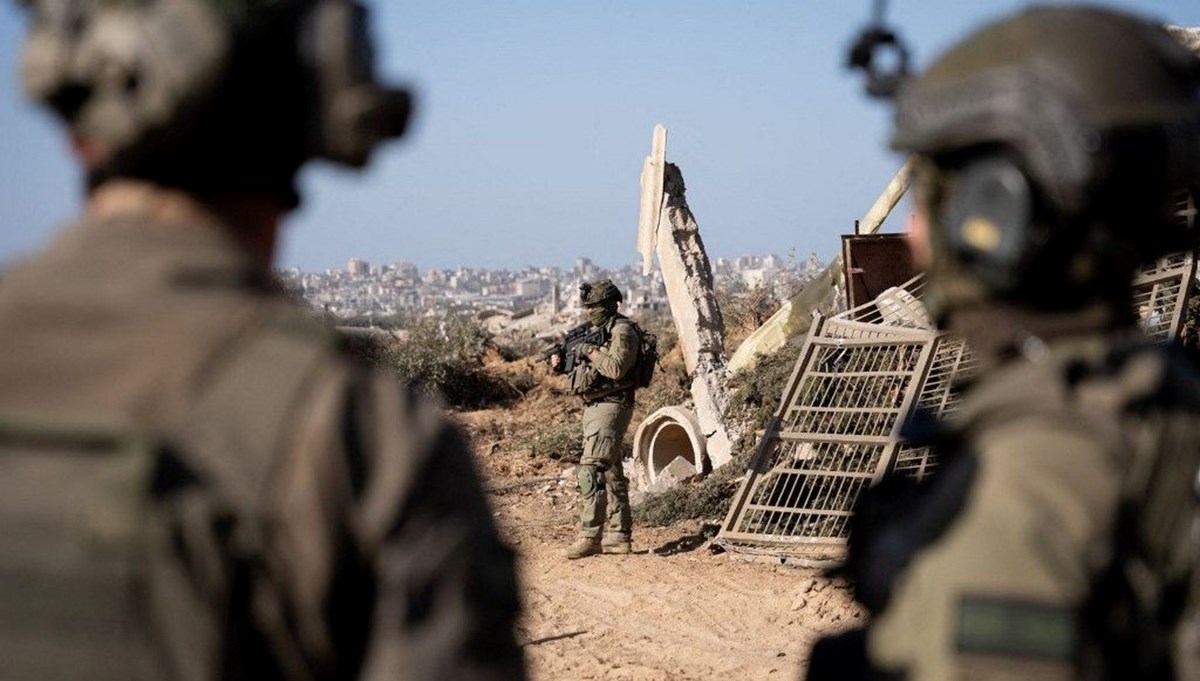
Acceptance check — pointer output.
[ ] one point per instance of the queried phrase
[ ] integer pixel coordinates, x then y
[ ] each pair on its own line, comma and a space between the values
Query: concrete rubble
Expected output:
1190, 37
678, 471
666, 227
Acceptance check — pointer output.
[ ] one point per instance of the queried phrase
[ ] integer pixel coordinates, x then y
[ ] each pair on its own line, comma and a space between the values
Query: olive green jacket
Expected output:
375, 555
1001, 592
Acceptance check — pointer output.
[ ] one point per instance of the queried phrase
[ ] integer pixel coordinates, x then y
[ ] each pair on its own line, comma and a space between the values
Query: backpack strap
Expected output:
229, 438
255, 387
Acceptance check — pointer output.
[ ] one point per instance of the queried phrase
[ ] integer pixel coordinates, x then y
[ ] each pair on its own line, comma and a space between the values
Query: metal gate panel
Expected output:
1160, 293
858, 376
952, 361
834, 435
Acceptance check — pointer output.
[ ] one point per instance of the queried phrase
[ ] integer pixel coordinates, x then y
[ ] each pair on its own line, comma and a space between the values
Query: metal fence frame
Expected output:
777, 511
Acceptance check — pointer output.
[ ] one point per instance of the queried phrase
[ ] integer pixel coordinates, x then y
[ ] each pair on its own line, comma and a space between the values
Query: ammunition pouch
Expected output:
583, 380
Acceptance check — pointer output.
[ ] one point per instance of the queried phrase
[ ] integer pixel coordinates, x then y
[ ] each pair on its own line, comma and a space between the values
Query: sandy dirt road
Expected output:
672, 610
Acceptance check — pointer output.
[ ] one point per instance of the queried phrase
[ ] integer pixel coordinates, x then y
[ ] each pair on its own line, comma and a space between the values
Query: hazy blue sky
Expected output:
535, 117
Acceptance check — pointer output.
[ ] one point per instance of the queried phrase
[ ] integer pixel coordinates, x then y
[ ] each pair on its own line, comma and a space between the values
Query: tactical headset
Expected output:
1046, 182
987, 221
995, 223
130, 75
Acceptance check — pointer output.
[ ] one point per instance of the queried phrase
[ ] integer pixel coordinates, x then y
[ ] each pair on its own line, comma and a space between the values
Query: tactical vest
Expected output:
71, 561
1141, 619
129, 555
593, 387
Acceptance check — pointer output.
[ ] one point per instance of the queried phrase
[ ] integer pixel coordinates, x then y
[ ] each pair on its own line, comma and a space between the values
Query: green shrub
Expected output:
560, 441
755, 393
708, 499
446, 356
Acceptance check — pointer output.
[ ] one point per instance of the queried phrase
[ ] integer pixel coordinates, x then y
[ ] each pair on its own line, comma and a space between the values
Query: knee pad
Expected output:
591, 480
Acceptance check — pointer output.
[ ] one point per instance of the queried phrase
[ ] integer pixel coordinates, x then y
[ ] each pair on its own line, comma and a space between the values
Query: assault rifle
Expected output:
568, 349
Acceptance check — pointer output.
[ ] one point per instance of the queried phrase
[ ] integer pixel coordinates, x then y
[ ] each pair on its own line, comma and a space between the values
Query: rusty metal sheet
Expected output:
875, 263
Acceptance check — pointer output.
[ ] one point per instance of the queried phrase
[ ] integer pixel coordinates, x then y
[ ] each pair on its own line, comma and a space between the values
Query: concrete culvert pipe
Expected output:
669, 434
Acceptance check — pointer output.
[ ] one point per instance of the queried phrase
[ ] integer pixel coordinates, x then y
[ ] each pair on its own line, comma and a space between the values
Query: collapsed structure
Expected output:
858, 377
666, 227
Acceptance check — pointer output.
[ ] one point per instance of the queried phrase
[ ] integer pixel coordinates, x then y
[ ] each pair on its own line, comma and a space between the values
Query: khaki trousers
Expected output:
603, 488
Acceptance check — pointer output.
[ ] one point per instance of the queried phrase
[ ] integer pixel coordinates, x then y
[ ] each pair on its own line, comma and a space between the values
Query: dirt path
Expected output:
673, 610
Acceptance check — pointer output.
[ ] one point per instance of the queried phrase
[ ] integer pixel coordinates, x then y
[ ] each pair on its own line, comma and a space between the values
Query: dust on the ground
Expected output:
675, 609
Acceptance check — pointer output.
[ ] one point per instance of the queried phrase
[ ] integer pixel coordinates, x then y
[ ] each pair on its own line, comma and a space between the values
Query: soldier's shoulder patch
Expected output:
1011, 627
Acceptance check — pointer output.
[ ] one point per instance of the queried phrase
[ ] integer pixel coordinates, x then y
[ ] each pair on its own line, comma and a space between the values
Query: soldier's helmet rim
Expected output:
1047, 84
599, 292
119, 78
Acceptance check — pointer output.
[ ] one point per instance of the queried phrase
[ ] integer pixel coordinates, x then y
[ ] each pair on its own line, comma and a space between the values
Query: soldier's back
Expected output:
1072, 471
195, 471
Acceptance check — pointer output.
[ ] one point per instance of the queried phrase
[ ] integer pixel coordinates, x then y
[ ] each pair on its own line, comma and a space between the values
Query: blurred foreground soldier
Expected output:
606, 377
195, 482
1057, 540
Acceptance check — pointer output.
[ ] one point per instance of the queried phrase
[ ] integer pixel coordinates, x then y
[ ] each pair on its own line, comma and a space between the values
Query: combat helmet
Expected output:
601, 292
211, 95
1049, 146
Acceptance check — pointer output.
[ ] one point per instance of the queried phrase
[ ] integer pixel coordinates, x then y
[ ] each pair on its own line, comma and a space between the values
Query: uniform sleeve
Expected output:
385, 547
615, 361
997, 595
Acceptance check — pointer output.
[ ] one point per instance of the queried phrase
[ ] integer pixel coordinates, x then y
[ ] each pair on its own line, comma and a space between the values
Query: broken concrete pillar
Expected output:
667, 227
687, 274
652, 198
824, 293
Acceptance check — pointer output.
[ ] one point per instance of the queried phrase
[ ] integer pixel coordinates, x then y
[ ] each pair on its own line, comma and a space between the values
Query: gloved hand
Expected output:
586, 349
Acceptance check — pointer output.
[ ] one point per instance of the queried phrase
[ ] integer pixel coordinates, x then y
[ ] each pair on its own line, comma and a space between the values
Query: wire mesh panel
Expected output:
834, 434
951, 362
859, 375
1160, 293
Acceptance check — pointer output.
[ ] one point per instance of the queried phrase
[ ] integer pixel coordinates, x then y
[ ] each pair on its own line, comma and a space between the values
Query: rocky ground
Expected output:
675, 609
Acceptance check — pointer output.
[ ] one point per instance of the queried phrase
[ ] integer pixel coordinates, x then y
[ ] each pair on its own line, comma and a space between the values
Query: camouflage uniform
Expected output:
196, 482
1000, 570
603, 488
1056, 538
367, 546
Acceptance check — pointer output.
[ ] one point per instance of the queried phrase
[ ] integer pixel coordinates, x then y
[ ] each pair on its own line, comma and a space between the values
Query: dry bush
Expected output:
707, 499
745, 308
446, 356
562, 441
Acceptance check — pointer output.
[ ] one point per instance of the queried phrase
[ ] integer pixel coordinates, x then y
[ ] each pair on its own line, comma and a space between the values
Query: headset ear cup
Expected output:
354, 113
987, 221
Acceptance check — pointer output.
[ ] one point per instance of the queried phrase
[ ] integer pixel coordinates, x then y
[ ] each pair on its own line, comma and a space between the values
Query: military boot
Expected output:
616, 546
583, 547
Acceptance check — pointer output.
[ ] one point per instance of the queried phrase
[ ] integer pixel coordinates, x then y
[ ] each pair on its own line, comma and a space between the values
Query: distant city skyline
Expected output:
366, 289
534, 118
566, 266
